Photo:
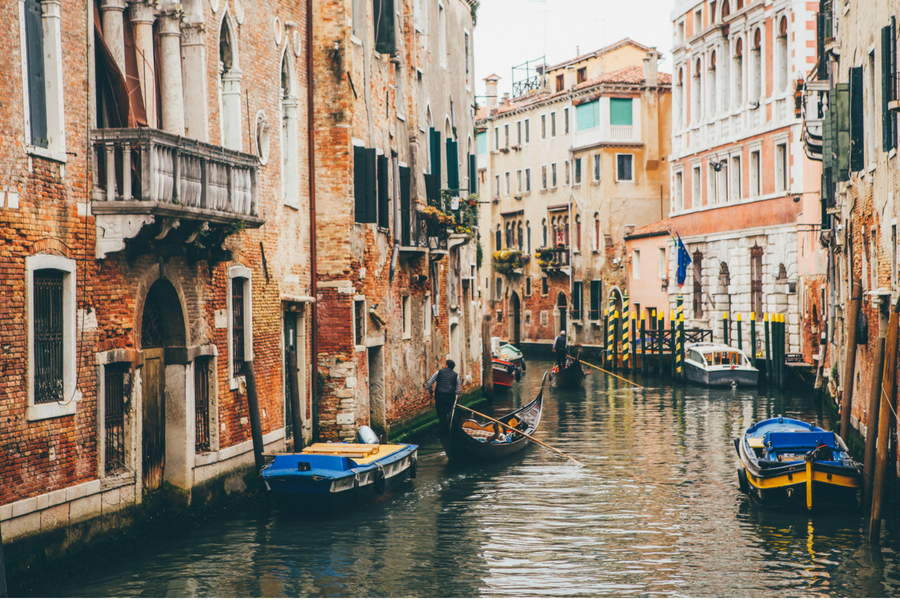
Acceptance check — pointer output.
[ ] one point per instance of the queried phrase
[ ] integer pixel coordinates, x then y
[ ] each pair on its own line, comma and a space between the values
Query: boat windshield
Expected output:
724, 358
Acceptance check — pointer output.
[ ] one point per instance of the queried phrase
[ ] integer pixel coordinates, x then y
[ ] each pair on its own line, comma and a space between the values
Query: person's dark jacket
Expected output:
560, 344
446, 380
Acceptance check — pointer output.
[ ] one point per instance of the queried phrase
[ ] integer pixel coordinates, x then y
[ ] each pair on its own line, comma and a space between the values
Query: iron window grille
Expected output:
237, 325
117, 380
48, 336
201, 405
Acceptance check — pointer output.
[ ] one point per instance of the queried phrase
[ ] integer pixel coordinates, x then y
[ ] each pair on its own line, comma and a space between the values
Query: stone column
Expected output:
289, 162
172, 108
142, 18
231, 109
112, 19
196, 104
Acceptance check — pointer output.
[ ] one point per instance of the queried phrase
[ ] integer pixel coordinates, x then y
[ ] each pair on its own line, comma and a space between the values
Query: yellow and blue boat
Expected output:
787, 462
340, 475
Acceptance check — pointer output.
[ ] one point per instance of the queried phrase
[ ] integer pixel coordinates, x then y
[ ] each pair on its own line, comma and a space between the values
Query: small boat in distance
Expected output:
508, 364
513, 355
504, 373
340, 475
712, 364
467, 440
787, 462
572, 375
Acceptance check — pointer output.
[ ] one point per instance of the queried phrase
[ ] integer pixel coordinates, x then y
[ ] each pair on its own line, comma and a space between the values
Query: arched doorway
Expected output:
515, 320
162, 326
562, 306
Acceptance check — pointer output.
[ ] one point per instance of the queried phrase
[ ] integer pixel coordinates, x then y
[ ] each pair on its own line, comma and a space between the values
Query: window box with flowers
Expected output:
507, 261
552, 258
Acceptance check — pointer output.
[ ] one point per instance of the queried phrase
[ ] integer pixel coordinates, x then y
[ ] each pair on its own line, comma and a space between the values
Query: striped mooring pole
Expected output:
753, 339
660, 335
609, 341
679, 344
672, 335
740, 335
617, 339
626, 334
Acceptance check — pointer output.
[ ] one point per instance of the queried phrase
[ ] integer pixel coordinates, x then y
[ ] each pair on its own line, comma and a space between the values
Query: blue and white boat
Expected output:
340, 475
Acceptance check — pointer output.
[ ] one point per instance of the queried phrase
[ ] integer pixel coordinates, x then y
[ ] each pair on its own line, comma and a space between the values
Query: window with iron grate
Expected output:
201, 404
48, 336
117, 385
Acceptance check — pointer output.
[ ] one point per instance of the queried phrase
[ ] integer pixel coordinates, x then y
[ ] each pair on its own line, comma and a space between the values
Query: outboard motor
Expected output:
367, 436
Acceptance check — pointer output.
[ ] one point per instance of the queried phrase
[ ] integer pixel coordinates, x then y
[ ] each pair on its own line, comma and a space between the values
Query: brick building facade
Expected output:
570, 167
155, 226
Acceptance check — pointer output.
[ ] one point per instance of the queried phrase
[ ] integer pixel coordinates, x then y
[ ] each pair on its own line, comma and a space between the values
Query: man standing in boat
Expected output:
444, 386
561, 347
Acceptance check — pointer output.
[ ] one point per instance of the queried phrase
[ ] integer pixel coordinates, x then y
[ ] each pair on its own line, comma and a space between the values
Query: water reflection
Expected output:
656, 511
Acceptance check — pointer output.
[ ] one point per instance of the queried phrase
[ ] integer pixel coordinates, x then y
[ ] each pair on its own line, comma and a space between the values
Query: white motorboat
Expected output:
716, 365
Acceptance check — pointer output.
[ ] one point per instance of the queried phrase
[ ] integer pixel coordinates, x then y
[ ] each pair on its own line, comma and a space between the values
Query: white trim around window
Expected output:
71, 396
239, 271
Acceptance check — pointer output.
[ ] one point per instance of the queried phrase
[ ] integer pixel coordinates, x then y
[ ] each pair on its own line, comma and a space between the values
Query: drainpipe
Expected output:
395, 168
311, 142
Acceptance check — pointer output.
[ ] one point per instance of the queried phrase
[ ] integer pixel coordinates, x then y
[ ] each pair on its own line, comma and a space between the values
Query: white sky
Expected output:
510, 32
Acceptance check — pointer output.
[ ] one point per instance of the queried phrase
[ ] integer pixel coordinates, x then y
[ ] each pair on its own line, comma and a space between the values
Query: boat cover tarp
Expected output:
800, 439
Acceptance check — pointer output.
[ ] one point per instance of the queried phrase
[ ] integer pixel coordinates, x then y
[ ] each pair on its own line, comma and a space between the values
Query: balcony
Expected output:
554, 260
419, 234
149, 183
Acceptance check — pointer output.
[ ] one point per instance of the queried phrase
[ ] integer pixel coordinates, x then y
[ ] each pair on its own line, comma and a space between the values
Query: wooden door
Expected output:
290, 344
154, 417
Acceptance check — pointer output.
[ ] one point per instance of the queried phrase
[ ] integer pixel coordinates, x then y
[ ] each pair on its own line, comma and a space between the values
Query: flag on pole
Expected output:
684, 259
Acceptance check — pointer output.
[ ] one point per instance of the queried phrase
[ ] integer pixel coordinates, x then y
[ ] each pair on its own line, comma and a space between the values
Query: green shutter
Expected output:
857, 123
384, 197
473, 174
481, 142
37, 93
433, 188
371, 165
577, 297
842, 130
385, 36
405, 200
596, 299
359, 183
887, 137
435, 153
452, 165
828, 137
588, 115
620, 111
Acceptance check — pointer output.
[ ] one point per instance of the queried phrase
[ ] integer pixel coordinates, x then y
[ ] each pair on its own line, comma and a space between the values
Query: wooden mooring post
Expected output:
643, 340
850, 358
660, 334
740, 335
634, 342
487, 361
294, 390
769, 377
725, 332
872, 425
885, 414
255, 423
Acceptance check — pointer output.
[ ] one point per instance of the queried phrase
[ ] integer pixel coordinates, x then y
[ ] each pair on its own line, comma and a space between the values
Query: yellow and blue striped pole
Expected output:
617, 337
672, 335
626, 333
679, 344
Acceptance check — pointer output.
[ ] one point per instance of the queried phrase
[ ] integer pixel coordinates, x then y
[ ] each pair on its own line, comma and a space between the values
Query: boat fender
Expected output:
518, 374
355, 491
412, 467
737, 447
380, 480
742, 480
524, 367
366, 435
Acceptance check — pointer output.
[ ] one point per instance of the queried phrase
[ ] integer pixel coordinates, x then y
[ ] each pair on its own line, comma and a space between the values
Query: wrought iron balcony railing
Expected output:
418, 233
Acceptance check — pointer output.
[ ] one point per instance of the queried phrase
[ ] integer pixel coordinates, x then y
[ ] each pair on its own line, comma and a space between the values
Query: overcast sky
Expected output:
510, 32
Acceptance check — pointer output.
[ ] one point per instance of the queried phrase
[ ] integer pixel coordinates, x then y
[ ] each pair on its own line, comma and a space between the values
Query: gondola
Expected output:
467, 440
571, 376
780, 457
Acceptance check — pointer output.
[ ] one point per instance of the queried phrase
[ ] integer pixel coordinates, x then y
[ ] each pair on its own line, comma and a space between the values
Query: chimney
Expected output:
505, 98
491, 86
651, 72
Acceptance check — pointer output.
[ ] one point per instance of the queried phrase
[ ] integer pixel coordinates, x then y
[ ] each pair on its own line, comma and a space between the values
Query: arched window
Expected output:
696, 91
712, 11
498, 240
429, 124
726, 9
554, 231
597, 231
711, 85
578, 233
566, 231
229, 86
740, 5
528, 236
756, 58
544, 229
782, 58
509, 235
520, 236
678, 100
290, 167
738, 72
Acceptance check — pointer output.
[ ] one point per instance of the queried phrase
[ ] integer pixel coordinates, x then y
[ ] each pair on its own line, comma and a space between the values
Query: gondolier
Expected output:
444, 385
561, 347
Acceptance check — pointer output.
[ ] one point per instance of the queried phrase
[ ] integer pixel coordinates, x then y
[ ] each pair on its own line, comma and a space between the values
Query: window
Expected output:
496, 186
383, 193
873, 257
696, 188
498, 240
597, 164
724, 183
738, 72
498, 288
528, 286
544, 229
596, 299
568, 181
588, 115
697, 265
736, 193
577, 247
407, 317
51, 335
577, 299
553, 174
506, 136
782, 170
578, 171
544, 177
636, 264
553, 124
620, 114
624, 171
385, 32
678, 192
429, 311
783, 59
597, 232
240, 334
662, 267
518, 133
204, 375
41, 49
756, 303
543, 127
698, 21
527, 180
755, 174
496, 138
507, 183
528, 231
527, 130
545, 287
290, 158
711, 85
566, 120
560, 82
712, 190
466, 33
365, 181
756, 58
230, 87
481, 142
696, 91
359, 322
442, 35
581, 75
116, 392
519, 181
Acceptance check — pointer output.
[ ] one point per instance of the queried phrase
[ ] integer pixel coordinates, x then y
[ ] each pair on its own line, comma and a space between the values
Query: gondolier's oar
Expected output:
607, 372
452, 412
533, 439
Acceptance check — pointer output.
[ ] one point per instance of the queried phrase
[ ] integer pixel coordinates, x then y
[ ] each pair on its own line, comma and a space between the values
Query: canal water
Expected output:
656, 512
